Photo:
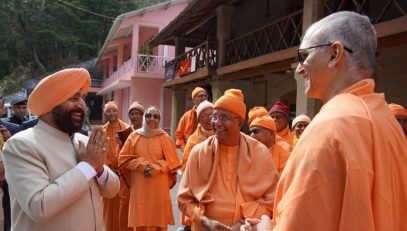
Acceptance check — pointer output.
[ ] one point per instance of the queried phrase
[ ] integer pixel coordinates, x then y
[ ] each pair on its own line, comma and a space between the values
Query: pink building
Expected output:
132, 71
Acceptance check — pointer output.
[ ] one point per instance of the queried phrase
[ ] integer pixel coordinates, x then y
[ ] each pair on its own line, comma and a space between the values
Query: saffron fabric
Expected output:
150, 202
111, 207
233, 101
348, 170
287, 135
186, 126
256, 174
196, 91
397, 109
256, 112
74, 79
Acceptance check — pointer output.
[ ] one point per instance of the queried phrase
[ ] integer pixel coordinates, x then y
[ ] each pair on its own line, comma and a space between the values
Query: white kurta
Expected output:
47, 192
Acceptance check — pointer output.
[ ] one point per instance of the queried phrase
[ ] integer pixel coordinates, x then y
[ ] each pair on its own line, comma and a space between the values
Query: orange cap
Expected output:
233, 101
256, 112
265, 122
54, 89
196, 91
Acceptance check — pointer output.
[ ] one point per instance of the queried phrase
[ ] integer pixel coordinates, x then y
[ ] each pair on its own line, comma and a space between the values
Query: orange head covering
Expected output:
54, 89
196, 91
265, 122
301, 118
397, 110
110, 105
256, 112
232, 101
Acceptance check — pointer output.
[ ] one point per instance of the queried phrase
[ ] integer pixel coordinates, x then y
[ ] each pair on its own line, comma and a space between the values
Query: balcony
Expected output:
278, 35
377, 11
151, 63
197, 60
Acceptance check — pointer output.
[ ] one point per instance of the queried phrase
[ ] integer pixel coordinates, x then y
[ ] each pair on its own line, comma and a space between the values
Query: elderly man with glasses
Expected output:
230, 177
188, 122
348, 170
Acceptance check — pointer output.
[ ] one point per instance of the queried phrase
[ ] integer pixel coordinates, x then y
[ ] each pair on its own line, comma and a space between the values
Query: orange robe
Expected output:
197, 137
111, 207
228, 183
348, 172
150, 202
280, 157
186, 126
287, 135
295, 140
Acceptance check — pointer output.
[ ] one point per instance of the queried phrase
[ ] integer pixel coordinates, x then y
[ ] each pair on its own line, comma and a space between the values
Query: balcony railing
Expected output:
202, 56
377, 11
151, 63
278, 35
126, 67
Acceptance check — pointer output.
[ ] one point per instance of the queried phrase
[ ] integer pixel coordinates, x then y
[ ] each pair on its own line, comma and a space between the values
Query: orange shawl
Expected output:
348, 171
257, 176
186, 127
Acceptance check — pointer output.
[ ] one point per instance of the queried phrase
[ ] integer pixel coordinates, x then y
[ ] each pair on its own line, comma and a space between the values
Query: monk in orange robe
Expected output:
263, 129
280, 114
230, 176
348, 170
150, 155
135, 112
202, 132
298, 126
188, 122
259, 111
401, 116
111, 207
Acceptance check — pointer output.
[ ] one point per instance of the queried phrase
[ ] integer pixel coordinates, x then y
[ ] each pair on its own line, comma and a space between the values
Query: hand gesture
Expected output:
95, 151
257, 225
213, 225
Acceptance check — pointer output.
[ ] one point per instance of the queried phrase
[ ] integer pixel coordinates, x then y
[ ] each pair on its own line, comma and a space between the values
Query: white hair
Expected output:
355, 32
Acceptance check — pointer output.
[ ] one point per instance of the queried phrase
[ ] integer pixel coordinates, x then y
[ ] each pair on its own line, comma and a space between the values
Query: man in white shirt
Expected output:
56, 177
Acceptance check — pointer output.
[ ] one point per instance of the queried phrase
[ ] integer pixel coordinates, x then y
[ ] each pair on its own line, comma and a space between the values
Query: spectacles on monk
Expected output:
222, 117
155, 116
202, 95
302, 54
255, 131
205, 116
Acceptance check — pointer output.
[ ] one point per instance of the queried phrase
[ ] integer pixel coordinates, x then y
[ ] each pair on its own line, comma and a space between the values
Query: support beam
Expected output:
224, 30
178, 108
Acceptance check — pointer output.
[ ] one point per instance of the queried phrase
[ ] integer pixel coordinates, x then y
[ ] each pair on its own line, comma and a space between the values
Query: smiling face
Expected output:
152, 118
317, 76
69, 116
299, 128
200, 97
112, 115
205, 119
226, 126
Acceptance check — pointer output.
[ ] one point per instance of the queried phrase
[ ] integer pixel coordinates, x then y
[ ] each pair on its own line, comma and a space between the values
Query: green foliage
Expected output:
45, 35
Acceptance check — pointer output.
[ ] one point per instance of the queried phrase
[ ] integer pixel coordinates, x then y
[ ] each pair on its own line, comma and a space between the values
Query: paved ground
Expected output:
175, 209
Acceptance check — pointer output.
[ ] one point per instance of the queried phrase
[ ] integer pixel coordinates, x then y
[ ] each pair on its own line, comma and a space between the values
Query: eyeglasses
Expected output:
302, 55
205, 116
155, 116
202, 96
222, 117
255, 131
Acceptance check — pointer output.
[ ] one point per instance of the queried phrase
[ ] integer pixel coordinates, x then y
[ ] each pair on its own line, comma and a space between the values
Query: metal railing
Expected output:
201, 56
123, 69
278, 35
